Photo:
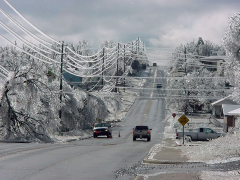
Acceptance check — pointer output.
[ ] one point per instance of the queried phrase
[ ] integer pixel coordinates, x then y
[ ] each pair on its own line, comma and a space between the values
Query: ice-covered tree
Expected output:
232, 45
185, 57
192, 92
30, 101
232, 38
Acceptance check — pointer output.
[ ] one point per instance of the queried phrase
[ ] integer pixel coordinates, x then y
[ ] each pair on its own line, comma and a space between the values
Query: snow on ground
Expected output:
213, 175
118, 110
72, 136
221, 150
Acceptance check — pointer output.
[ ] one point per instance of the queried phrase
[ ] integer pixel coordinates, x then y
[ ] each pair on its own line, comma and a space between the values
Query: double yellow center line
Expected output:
150, 101
147, 110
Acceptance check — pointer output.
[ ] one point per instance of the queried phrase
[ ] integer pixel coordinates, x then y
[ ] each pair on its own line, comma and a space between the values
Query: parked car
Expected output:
159, 86
202, 134
141, 132
102, 129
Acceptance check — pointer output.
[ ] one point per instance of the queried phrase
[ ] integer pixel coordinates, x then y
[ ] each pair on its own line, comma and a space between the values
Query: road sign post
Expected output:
183, 120
183, 135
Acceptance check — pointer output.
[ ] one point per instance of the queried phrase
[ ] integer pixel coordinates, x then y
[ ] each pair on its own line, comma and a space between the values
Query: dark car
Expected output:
141, 132
159, 86
102, 129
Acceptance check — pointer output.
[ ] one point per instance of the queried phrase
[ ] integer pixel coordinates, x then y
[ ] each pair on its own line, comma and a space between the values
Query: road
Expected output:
93, 158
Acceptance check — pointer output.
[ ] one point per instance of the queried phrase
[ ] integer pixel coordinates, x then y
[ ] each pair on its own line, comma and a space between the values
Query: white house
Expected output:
217, 110
229, 118
213, 63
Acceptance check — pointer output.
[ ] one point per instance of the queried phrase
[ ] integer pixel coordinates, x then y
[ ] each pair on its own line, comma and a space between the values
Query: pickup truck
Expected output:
141, 132
202, 134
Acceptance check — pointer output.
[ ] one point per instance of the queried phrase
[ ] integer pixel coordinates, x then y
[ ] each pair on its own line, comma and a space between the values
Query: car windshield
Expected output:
141, 127
101, 125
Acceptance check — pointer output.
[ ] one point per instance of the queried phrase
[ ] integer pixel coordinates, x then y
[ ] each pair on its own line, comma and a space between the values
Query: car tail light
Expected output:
133, 131
177, 134
148, 131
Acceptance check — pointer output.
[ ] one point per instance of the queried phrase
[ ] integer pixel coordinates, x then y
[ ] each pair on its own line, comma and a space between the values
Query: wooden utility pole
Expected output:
103, 65
185, 54
61, 87
117, 68
124, 67
138, 41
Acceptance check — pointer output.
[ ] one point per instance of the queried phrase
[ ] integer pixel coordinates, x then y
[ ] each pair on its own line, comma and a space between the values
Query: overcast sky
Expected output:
161, 24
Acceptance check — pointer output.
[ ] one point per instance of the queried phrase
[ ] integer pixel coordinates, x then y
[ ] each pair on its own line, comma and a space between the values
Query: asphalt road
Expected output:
94, 158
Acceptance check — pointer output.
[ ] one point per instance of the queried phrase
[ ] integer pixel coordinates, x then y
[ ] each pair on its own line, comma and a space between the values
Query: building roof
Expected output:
225, 100
235, 112
213, 58
228, 108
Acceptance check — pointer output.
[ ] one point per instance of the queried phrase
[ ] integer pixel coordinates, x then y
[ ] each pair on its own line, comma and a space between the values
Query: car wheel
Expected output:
134, 138
189, 138
149, 139
94, 136
109, 135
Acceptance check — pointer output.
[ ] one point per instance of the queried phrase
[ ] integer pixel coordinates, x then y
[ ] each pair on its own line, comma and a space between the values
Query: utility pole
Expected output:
61, 72
103, 65
185, 54
138, 41
186, 91
117, 68
124, 67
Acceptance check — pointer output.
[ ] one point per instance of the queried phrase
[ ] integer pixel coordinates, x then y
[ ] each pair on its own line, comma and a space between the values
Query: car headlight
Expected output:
106, 130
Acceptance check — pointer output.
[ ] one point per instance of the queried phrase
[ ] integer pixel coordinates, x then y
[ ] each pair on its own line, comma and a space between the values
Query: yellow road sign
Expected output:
183, 120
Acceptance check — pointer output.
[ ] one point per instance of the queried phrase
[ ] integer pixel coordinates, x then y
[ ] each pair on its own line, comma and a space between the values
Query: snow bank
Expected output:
154, 150
219, 150
72, 136
213, 175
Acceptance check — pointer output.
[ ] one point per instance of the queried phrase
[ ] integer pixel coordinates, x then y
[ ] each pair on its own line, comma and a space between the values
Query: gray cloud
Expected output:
159, 23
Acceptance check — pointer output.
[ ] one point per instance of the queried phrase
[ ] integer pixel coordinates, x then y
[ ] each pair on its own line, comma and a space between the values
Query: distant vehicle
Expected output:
159, 86
202, 134
141, 132
154, 64
102, 129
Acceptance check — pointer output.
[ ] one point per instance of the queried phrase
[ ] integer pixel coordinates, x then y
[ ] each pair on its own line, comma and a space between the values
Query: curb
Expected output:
147, 161
70, 140
14, 141
81, 138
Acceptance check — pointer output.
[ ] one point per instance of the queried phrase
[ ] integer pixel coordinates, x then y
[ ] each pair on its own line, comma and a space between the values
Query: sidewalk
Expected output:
169, 153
